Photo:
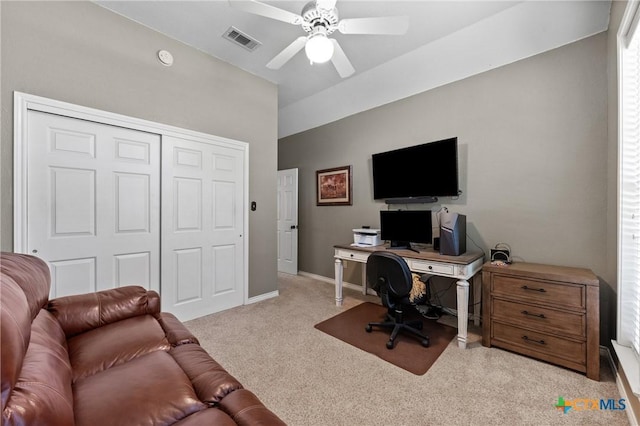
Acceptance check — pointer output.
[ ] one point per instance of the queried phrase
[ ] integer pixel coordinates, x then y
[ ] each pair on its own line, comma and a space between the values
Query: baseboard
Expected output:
331, 281
316, 277
262, 297
607, 353
631, 414
357, 287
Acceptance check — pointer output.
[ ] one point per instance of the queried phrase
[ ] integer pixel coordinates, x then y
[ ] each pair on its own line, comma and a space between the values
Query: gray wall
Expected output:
533, 142
81, 53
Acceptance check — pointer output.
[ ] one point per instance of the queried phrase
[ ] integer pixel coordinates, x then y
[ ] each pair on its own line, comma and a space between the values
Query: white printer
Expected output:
366, 237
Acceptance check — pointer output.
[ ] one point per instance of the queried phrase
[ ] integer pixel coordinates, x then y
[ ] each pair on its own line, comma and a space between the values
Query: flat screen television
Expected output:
403, 227
421, 171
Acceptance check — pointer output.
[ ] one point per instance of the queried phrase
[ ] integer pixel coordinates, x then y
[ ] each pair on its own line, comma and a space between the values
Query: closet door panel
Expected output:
202, 212
93, 194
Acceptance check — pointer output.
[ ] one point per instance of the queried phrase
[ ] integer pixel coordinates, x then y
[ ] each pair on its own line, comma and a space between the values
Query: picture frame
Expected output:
333, 187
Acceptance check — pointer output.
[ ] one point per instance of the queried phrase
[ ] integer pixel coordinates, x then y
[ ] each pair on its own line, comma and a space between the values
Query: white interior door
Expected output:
202, 227
288, 221
93, 196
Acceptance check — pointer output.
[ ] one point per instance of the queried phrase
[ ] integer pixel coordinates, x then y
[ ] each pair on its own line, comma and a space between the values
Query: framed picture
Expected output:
333, 187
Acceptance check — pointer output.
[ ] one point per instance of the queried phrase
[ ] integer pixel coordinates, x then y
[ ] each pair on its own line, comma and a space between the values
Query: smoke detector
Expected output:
165, 58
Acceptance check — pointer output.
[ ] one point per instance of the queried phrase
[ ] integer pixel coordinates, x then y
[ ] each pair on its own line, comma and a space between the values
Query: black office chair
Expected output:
389, 275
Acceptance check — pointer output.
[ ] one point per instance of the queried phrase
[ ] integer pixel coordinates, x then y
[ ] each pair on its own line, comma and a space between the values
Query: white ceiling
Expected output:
447, 41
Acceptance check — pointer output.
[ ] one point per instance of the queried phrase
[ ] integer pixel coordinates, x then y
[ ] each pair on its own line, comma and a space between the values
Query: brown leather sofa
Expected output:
107, 358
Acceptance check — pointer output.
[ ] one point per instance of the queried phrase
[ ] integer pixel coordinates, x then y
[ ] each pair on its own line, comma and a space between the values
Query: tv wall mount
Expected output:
411, 200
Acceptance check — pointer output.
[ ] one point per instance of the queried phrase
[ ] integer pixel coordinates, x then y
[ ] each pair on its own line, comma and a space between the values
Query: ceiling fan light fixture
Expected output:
319, 48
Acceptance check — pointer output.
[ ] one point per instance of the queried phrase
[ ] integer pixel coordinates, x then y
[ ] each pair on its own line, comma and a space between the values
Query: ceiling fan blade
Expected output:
388, 25
340, 60
325, 4
263, 9
288, 53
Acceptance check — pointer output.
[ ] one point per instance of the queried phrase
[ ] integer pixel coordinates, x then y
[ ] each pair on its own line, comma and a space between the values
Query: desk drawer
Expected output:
357, 256
544, 292
430, 267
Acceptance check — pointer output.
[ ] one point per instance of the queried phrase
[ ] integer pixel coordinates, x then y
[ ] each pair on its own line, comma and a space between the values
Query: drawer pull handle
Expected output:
351, 255
533, 315
541, 290
527, 339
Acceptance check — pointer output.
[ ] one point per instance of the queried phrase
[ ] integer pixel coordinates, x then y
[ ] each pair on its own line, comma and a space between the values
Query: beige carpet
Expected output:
310, 378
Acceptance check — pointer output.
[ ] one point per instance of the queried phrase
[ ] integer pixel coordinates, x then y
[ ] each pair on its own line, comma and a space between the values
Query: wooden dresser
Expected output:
547, 312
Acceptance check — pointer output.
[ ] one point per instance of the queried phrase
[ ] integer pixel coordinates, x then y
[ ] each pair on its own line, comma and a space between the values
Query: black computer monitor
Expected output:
403, 227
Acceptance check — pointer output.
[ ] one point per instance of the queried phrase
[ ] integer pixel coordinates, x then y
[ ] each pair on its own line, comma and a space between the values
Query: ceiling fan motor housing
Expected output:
314, 17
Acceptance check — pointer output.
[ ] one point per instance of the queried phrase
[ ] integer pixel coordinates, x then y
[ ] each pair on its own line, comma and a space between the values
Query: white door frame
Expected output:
22, 102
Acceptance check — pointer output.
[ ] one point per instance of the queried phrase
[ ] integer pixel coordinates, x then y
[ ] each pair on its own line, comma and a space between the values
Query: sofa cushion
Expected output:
115, 343
210, 380
149, 390
210, 416
42, 394
83, 312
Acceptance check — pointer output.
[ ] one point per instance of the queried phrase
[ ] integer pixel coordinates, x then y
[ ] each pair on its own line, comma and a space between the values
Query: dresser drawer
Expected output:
544, 319
538, 342
436, 268
352, 255
544, 292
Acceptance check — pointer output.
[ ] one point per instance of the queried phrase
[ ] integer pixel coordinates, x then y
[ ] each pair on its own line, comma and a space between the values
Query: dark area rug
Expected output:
408, 353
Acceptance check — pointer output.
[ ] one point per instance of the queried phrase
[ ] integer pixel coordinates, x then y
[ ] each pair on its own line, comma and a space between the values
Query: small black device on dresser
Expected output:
453, 234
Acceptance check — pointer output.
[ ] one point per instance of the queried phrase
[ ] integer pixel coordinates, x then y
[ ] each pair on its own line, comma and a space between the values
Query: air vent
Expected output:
241, 39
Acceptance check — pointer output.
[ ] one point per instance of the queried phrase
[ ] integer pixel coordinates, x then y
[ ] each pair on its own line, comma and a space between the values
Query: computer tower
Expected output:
453, 234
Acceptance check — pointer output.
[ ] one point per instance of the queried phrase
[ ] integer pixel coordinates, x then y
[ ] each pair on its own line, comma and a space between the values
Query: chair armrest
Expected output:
177, 334
79, 313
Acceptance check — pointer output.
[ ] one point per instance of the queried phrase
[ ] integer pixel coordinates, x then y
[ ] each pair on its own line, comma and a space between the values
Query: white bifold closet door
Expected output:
202, 227
93, 203
109, 206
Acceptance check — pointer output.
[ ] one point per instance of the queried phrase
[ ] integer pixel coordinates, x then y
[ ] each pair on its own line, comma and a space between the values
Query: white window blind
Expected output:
629, 237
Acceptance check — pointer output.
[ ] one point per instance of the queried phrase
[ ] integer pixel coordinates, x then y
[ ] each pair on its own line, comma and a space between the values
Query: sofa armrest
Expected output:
84, 312
177, 334
247, 410
211, 382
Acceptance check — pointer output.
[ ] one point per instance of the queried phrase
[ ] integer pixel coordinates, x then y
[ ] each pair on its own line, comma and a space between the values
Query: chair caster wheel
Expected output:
368, 328
425, 343
390, 344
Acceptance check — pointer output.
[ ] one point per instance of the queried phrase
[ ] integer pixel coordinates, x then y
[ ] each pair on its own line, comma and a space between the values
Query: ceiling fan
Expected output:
319, 18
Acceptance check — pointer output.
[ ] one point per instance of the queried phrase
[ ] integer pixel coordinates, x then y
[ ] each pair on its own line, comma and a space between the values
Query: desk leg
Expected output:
477, 297
364, 279
338, 279
463, 312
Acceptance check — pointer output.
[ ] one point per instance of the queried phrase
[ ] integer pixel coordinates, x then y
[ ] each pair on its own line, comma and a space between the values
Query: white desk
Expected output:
463, 268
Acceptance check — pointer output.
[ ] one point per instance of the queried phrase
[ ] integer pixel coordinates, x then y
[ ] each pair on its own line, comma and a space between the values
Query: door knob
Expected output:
294, 226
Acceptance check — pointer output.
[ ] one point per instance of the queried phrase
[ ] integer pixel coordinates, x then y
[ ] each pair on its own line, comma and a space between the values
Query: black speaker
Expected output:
501, 253
453, 234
